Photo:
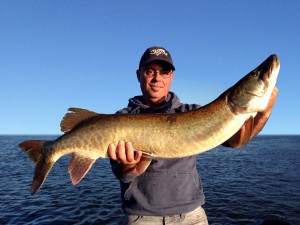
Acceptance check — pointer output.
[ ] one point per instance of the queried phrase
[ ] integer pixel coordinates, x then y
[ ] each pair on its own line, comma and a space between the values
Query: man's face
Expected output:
155, 86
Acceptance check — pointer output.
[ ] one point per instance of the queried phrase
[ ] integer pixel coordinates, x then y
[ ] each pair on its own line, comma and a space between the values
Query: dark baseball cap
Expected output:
156, 54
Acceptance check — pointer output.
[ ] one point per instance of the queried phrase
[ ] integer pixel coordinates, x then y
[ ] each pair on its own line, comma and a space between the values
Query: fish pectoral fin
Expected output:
143, 164
78, 168
74, 117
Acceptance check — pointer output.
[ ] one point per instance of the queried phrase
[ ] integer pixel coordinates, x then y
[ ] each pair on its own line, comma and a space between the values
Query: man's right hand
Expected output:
127, 157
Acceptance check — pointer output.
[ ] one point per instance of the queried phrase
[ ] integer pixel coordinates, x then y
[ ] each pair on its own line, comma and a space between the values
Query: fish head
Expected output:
252, 93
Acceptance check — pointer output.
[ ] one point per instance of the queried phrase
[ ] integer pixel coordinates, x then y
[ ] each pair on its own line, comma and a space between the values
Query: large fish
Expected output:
88, 134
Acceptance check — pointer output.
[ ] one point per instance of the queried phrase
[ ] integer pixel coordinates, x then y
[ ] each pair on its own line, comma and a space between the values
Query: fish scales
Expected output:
170, 134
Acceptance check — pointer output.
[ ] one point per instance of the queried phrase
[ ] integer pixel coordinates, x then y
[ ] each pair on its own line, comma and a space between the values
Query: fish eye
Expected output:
255, 73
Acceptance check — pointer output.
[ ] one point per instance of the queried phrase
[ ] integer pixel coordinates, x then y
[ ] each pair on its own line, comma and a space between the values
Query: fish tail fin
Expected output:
34, 150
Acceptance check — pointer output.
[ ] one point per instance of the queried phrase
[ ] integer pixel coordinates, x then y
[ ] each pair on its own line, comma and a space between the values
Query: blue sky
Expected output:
61, 54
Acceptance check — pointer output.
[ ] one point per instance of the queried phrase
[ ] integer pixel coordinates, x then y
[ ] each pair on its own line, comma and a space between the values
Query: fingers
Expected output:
261, 118
275, 91
266, 113
129, 153
111, 152
138, 156
272, 98
124, 153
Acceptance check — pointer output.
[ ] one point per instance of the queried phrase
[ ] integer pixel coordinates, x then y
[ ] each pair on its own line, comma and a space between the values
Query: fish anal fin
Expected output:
74, 117
78, 168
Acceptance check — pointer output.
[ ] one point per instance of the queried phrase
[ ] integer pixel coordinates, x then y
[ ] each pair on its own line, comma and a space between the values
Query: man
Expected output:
169, 191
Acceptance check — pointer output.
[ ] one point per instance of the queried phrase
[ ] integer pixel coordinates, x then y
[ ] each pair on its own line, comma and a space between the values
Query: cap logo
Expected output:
158, 52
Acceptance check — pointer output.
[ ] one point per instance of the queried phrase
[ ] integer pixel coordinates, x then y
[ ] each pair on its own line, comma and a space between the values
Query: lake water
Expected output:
242, 186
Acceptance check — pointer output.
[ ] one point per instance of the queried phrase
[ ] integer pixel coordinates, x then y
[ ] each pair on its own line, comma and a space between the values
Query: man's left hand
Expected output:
261, 118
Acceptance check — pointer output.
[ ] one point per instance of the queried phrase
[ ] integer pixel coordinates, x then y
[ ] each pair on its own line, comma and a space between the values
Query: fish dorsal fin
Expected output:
74, 117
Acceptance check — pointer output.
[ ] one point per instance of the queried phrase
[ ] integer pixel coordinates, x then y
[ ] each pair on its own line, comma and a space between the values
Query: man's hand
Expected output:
131, 161
261, 118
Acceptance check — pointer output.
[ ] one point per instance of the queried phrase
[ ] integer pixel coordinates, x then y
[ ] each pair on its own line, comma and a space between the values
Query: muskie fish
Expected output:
88, 134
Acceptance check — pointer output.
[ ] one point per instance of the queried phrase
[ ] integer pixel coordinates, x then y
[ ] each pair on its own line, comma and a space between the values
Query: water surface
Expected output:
242, 186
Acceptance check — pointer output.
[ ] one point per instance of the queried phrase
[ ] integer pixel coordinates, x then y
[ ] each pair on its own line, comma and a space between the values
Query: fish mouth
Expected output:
253, 94
273, 65
255, 86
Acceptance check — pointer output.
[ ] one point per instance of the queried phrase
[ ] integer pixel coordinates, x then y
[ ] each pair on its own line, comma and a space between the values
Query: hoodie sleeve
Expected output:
116, 169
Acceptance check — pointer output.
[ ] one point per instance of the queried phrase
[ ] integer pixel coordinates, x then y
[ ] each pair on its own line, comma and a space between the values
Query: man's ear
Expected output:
138, 75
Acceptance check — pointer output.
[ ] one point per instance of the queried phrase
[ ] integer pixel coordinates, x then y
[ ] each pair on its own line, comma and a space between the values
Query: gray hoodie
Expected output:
168, 186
